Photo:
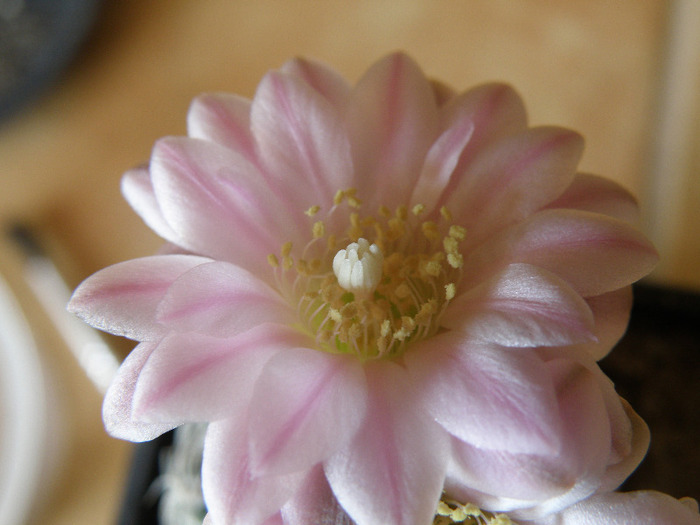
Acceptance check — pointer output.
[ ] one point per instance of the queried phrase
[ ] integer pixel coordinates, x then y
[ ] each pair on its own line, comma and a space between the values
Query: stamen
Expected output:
318, 230
313, 210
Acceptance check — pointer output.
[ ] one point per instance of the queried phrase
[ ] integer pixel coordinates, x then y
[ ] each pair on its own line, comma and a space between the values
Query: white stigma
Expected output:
358, 267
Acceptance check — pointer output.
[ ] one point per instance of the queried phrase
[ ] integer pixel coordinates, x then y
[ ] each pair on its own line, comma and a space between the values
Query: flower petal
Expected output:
584, 453
137, 189
216, 202
223, 118
611, 312
321, 78
122, 298
117, 409
307, 404
392, 117
315, 504
490, 397
512, 178
193, 377
599, 195
493, 111
624, 508
221, 300
595, 254
440, 162
637, 444
301, 140
393, 470
522, 306
232, 494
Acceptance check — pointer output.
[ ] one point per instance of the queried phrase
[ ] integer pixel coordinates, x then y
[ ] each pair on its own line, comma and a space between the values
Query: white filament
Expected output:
358, 267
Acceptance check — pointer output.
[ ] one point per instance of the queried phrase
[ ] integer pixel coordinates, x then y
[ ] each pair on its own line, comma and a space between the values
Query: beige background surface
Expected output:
599, 67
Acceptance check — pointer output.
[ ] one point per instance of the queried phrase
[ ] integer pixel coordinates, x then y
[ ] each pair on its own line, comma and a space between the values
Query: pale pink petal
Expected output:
584, 453
599, 195
393, 470
275, 519
315, 504
637, 445
194, 377
441, 161
522, 306
595, 254
122, 298
512, 178
629, 435
117, 409
301, 140
611, 312
626, 508
217, 202
223, 118
323, 79
209, 298
137, 189
392, 117
306, 405
488, 396
494, 111
232, 494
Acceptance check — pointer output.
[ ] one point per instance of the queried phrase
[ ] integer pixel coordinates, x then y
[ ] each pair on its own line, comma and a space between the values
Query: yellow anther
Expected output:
426, 312
402, 212
446, 214
354, 202
407, 327
458, 514
418, 209
338, 197
455, 260
313, 210
287, 262
385, 329
335, 315
273, 260
354, 331
458, 232
318, 229
433, 268
286, 249
430, 230
443, 509
450, 291
450, 244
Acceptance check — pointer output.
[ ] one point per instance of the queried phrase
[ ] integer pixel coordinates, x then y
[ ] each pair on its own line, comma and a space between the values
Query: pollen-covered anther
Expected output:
358, 267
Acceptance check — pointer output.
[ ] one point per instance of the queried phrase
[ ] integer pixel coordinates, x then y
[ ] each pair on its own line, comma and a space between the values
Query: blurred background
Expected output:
88, 88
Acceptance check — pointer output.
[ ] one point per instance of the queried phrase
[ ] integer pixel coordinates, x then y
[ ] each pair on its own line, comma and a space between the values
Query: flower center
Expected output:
371, 298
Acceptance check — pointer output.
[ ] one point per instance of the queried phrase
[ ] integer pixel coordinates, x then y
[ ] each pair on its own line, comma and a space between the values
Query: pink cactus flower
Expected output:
374, 293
